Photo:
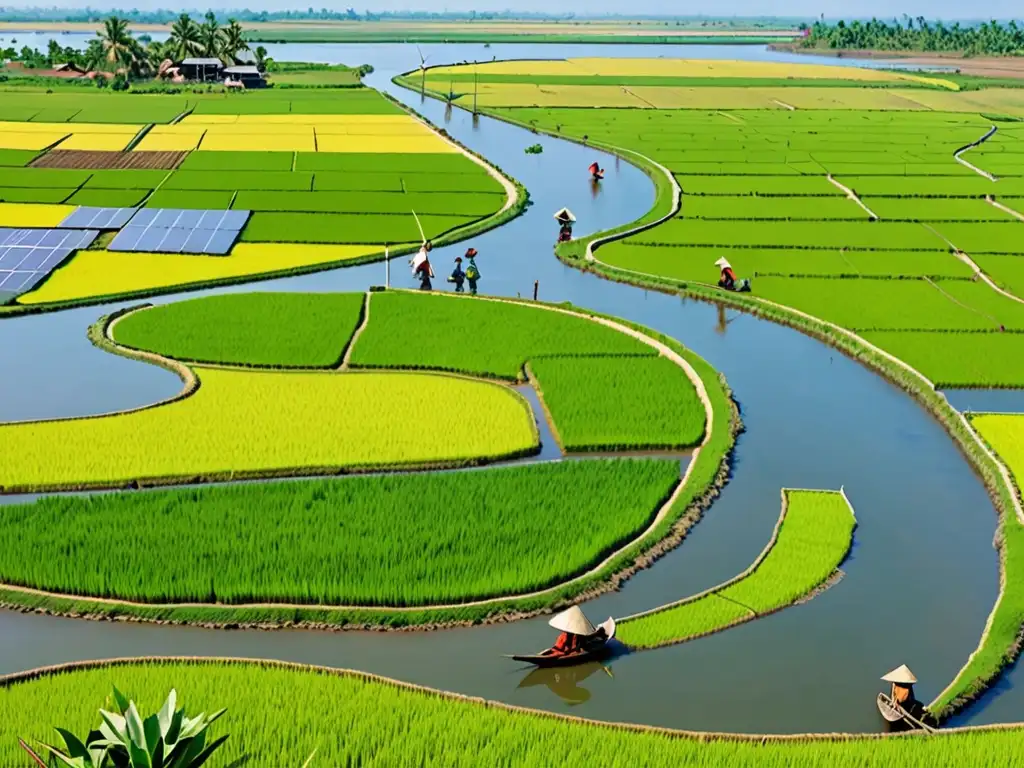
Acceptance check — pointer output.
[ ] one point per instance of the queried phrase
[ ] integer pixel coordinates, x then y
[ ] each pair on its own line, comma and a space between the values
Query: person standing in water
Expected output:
472, 273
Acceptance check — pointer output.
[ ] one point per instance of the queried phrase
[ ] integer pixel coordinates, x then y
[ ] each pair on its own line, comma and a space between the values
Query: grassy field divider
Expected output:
364, 320
958, 155
138, 137
996, 204
852, 196
975, 268
707, 623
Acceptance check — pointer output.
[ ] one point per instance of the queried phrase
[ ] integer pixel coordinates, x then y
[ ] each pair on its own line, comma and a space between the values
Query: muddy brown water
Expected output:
814, 419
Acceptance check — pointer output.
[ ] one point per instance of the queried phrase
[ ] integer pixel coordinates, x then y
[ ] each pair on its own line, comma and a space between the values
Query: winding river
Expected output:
919, 584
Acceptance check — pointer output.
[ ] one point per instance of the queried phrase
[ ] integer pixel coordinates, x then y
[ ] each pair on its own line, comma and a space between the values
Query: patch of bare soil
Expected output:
74, 158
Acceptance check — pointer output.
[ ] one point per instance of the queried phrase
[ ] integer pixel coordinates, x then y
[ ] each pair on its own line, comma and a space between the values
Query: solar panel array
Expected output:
87, 217
28, 255
169, 230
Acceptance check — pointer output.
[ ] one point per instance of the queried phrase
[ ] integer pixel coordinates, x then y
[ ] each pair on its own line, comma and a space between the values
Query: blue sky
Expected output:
932, 9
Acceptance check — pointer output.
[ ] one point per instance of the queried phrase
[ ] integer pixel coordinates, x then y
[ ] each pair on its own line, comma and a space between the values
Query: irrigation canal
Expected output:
920, 581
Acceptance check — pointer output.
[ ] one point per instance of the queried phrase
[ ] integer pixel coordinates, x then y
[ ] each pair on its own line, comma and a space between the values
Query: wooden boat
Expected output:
593, 647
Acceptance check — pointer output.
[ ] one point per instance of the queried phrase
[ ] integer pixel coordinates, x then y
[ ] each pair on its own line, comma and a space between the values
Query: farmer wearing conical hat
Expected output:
457, 276
472, 273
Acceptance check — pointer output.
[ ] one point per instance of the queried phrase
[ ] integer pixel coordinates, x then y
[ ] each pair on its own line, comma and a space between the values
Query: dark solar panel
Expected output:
166, 217
222, 241
188, 219
197, 241
144, 217
234, 220
173, 230
28, 255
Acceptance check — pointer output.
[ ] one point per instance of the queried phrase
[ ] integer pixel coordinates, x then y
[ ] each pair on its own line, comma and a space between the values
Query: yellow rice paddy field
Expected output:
1005, 100
684, 68
103, 273
238, 133
33, 214
239, 421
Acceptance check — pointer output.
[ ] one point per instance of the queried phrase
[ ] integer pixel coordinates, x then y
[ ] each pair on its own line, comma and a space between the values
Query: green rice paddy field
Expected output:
282, 330
385, 541
757, 191
90, 107
813, 540
594, 379
384, 724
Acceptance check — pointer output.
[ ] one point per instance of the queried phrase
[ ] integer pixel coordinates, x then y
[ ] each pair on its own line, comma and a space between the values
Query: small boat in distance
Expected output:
580, 641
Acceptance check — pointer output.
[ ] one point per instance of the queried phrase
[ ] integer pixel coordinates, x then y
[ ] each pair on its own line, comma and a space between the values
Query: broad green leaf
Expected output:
174, 732
139, 756
166, 713
121, 700
73, 762
136, 730
75, 747
207, 752
151, 728
114, 727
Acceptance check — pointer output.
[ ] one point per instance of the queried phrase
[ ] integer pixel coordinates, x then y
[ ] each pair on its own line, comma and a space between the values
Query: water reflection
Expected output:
595, 188
565, 682
722, 322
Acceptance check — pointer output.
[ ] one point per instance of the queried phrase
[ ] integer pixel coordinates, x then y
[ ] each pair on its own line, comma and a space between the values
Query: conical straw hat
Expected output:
565, 213
723, 264
902, 675
573, 621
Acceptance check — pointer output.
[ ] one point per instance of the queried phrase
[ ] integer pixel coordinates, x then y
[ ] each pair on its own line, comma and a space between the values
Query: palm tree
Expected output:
120, 49
262, 60
233, 42
184, 40
211, 37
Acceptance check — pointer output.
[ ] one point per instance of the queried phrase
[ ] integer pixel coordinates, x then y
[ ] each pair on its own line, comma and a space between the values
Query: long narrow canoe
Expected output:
594, 647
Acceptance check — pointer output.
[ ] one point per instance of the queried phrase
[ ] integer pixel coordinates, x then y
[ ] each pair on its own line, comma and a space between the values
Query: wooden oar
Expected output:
923, 726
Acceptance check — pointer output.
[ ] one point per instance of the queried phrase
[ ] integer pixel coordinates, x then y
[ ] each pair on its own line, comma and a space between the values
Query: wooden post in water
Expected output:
387, 268
535, 284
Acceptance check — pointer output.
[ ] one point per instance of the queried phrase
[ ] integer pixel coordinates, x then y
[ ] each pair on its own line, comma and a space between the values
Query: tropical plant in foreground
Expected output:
166, 739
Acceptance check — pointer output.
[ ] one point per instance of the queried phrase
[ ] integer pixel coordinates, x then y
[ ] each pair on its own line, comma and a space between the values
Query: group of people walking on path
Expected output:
422, 270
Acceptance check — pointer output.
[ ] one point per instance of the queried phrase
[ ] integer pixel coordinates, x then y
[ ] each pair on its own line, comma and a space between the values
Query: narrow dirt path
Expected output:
958, 154
851, 195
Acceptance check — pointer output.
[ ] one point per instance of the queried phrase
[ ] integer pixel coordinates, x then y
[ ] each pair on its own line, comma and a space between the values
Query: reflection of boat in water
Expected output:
580, 641
565, 682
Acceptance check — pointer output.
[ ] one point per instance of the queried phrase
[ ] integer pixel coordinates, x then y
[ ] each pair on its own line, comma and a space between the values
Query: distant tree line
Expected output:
164, 16
117, 51
990, 38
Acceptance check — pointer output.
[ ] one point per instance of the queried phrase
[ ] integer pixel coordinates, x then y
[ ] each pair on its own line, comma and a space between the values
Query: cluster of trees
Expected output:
116, 50
164, 16
917, 34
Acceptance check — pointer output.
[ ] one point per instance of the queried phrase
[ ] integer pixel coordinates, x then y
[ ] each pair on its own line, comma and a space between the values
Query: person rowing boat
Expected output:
578, 641
596, 172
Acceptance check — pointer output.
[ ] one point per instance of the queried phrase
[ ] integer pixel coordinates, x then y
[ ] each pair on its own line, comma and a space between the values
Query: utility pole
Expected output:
476, 80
